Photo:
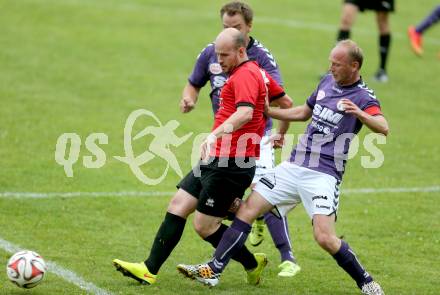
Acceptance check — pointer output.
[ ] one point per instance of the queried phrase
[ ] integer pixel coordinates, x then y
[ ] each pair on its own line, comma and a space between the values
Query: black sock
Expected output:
384, 48
244, 256
166, 239
346, 259
343, 34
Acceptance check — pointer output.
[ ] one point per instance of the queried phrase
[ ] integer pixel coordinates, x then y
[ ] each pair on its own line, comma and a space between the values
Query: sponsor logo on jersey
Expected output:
321, 95
218, 81
215, 68
338, 90
210, 202
326, 114
319, 197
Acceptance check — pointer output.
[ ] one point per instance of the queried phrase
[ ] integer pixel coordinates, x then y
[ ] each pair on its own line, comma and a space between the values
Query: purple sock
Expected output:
233, 239
279, 231
429, 20
347, 259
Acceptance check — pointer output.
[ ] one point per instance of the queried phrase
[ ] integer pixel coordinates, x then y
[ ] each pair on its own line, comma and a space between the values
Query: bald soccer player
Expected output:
226, 170
340, 105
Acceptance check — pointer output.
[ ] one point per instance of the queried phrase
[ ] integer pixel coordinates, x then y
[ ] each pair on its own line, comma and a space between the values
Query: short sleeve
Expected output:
368, 99
199, 75
271, 68
311, 101
266, 61
275, 90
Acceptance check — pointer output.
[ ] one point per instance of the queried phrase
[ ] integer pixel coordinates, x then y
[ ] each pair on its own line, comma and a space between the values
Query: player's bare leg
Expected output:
348, 17
384, 44
325, 235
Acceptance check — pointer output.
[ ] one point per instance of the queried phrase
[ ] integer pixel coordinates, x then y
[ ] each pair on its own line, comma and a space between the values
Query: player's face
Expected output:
227, 56
236, 21
341, 67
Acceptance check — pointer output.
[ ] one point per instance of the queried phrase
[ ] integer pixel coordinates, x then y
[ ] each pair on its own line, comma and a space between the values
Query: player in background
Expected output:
239, 15
382, 8
339, 106
415, 33
228, 172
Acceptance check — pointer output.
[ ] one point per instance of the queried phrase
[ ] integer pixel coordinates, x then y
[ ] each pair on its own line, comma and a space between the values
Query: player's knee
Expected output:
323, 239
202, 229
247, 212
346, 23
182, 206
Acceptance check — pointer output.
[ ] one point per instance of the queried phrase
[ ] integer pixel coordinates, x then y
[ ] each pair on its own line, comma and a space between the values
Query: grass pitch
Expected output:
83, 66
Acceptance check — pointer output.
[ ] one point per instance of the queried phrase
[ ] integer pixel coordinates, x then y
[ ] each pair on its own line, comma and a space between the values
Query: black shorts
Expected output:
376, 5
217, 187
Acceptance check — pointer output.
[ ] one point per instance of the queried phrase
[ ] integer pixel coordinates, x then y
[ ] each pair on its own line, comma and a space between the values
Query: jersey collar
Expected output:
251, 43
352, 85
236, 68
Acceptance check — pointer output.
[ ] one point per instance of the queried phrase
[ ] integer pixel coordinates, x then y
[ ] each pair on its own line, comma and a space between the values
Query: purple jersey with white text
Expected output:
325, 145
207, 69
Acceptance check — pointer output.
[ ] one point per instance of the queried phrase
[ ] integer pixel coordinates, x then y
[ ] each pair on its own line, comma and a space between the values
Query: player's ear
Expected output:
355, 65
242, 51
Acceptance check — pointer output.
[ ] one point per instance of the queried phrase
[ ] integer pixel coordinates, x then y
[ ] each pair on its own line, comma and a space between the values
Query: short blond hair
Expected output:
354, 51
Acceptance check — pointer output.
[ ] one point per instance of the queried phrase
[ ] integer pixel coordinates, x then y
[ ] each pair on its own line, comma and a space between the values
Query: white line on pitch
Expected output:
63, 273
348, 191
426, 189
210, 15
37, 195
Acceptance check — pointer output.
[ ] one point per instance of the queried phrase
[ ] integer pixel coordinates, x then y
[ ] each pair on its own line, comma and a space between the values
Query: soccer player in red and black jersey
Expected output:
227, 166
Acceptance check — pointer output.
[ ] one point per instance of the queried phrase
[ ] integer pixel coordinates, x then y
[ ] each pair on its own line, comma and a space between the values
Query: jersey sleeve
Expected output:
311, 101
266, 61
246, 89
370, 104
275, 90
200, 75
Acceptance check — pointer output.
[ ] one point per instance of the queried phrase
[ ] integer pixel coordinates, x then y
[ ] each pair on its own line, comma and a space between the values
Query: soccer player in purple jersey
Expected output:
340, 105
415, 33
239, 15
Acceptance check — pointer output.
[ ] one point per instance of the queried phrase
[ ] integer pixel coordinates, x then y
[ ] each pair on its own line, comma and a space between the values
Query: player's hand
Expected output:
186, 105
207, 145
276, 140
350, 107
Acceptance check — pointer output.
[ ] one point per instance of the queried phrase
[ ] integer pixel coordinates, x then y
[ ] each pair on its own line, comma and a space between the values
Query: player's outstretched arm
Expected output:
190, 95
376, 123
284, 102
241, 116
299, 113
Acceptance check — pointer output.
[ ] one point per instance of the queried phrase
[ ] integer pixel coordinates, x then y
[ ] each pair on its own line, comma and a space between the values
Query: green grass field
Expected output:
83, 66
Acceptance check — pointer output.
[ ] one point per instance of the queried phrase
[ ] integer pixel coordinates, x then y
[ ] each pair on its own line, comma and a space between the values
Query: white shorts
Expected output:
266, 161
288, 184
